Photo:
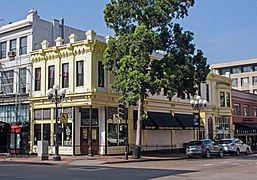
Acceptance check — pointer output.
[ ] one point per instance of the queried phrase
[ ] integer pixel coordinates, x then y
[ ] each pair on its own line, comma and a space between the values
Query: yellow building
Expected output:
77, 67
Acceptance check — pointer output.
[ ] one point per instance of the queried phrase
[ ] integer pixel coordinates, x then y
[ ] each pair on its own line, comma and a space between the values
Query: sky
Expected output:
225, 30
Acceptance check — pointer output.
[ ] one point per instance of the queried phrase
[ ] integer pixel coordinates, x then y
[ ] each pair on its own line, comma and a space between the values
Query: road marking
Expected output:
235, 164
89, 168
207, 165
224, 162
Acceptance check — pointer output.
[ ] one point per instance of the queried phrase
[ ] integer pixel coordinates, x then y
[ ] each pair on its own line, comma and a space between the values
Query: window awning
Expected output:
186, 120
164, 120
159, 120
146, 123
244, 125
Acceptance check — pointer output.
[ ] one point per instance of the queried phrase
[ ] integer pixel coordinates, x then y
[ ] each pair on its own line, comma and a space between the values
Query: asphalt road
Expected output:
230, 167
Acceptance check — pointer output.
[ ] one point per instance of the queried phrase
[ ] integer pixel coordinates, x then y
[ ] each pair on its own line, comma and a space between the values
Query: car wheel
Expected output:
189, 157
237, 152
247, 151
208, 154
221, 153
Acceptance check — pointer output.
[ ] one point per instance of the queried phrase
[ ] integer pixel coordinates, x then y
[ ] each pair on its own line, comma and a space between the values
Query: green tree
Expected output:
141, 28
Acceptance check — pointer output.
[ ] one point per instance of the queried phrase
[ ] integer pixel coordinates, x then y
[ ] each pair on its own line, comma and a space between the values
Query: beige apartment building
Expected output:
243, 74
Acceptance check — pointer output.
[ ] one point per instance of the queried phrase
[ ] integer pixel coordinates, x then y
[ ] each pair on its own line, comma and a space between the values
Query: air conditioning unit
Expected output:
11, 55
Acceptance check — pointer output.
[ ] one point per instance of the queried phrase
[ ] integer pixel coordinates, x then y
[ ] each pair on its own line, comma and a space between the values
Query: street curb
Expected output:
144, 160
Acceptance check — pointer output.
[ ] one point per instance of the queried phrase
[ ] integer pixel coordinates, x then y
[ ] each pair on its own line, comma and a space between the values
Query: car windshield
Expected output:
195, 143
225, 141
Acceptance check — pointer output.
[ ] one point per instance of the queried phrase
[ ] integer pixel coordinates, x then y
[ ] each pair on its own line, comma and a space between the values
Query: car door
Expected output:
243, 146
216, 147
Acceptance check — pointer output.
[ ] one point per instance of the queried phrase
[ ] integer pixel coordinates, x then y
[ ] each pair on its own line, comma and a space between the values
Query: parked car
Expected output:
204, 148
235, 146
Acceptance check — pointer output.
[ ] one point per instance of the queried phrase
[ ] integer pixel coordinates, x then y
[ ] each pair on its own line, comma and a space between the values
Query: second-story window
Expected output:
65, 75
13, 45
50, 77
2, 50
246, 110
37, 79
228, 99
222, 99
207, 93
23, 45
100, 74
7, 81
22, 83
79, 73
237, 109
255, 111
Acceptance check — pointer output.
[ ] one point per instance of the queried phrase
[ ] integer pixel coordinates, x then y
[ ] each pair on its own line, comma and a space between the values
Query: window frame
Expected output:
235, 70
100, 74
3, 49
242, 82
23, 49
246, 110
11, 48
37, 79
79, 73
65, 75
237, 109
51, 76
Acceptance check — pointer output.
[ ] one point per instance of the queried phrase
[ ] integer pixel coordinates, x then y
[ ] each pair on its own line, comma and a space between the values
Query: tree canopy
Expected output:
144, 27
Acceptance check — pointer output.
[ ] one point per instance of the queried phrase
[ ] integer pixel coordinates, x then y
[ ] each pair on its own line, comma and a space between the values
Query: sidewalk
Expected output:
91, 161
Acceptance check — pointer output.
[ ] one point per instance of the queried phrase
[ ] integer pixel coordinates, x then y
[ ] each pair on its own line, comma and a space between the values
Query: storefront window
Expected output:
46, 133
37, 133
38, 114
116, 129
85, 117
46, 113
67, 134
59, 134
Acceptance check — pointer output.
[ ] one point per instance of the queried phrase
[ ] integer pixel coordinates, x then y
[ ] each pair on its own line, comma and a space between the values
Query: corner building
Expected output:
77, 67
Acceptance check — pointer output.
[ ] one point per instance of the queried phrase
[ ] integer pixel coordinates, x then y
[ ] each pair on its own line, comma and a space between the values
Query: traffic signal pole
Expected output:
122, 116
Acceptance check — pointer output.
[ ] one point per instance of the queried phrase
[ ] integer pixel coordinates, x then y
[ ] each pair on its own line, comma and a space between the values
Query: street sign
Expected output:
64, 118
196, 119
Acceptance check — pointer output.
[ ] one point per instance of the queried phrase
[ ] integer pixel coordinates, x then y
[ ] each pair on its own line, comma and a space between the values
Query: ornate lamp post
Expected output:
198, 104
55, 95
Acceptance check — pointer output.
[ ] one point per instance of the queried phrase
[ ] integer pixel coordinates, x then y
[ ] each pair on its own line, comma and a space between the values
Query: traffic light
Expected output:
122, 111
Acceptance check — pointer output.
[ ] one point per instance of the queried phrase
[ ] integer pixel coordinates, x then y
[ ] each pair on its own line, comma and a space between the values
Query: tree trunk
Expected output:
137, 147
139, 119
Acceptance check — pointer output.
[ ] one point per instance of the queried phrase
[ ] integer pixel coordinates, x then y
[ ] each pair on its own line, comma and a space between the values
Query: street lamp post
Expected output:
55, 95
198, 104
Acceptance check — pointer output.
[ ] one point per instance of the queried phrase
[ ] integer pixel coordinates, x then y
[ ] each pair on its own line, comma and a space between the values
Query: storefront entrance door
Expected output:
84, 140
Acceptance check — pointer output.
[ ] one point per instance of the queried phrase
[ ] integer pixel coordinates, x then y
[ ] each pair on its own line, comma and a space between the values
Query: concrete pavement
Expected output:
91, 161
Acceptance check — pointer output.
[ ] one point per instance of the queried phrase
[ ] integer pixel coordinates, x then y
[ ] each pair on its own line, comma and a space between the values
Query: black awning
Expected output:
146, 123
164, 120
158, 120
186, 120
243, 125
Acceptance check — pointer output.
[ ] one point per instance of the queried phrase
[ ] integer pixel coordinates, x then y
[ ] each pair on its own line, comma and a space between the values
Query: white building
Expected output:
17, 40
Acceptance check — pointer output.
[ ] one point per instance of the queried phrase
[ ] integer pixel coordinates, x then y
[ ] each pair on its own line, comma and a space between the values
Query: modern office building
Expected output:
243, 74
17, 39
77, 67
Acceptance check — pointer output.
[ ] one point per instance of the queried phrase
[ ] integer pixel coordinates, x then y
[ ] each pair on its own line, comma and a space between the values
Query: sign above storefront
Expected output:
247, 119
